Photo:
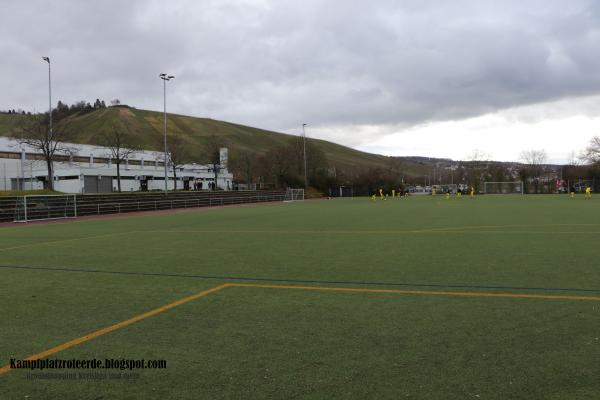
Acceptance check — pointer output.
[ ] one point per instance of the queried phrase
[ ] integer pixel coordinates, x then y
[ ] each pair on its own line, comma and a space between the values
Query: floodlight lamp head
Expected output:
47, 59
171, 77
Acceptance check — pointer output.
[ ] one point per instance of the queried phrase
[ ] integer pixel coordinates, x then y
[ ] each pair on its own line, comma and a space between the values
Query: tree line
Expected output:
63, 110
283, 166
15, 112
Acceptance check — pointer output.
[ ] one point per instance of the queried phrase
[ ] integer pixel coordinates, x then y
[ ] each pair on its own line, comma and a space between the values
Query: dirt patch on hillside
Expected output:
126, 113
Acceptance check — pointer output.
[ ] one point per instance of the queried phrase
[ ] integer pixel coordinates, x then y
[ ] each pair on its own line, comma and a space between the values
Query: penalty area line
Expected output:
117, 326
161, 309
420, 292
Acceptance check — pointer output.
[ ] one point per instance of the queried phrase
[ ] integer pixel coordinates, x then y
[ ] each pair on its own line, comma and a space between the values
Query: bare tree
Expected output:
37, 134
591, 153
476, 167
178, 154
276, 165
535, 160
573, 159
213, 147
243, 164
478, 156
533, 170
316, 159
121, 146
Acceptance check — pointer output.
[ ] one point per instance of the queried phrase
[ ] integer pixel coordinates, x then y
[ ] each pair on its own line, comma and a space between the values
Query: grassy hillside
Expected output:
148, 127
9, 123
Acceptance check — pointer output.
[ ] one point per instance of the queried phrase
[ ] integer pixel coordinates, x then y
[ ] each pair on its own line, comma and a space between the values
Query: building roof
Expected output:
84, 150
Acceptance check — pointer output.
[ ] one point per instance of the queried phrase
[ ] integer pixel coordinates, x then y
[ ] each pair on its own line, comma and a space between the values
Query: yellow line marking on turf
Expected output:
139, 317
510, 226
311, 232
370, 232
117, 326
419, 292
515, 232
23, 246
278, 231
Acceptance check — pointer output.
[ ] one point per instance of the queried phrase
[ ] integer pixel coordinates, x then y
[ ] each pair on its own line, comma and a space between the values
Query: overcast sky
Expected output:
429, 78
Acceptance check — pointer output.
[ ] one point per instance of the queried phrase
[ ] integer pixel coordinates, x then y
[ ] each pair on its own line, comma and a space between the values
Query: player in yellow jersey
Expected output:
381, 193
588, 192
472, 191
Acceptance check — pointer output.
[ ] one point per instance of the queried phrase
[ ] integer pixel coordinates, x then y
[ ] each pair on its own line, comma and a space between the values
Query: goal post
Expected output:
294, 195
40, 207
515, 187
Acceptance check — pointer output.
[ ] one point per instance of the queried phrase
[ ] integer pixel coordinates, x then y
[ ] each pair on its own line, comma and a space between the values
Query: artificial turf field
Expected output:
496, 297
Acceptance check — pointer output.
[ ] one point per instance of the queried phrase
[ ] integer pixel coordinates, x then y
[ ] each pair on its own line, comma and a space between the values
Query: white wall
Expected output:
156, 185
8, 169
11, 168
69, 185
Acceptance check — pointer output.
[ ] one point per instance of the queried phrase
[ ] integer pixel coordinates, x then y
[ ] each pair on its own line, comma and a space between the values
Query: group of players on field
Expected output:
403, 193
588, 192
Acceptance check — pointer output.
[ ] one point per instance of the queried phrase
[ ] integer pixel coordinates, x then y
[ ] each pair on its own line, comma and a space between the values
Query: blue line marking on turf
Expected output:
261, 279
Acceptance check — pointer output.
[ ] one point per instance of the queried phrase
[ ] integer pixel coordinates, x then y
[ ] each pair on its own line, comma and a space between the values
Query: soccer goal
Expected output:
503, 187
36, 208
294, 195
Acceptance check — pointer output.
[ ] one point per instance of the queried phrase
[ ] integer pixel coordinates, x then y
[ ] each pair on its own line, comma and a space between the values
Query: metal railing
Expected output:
167, 204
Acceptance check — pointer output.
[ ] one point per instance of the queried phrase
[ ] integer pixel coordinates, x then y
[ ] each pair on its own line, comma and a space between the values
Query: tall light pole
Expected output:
47, 59
305, 174
51, 174
165, 78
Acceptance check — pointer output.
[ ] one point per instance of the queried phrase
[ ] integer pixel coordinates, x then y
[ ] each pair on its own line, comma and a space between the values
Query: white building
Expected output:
90, 169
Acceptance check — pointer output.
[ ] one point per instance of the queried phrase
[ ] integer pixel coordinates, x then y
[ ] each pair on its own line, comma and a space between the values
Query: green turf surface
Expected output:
251, 342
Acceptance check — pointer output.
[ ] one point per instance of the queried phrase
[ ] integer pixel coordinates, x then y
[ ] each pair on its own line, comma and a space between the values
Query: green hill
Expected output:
147, 127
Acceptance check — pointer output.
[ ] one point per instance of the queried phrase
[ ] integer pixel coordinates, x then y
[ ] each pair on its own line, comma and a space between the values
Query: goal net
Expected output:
35, 208
503, 187
294, 195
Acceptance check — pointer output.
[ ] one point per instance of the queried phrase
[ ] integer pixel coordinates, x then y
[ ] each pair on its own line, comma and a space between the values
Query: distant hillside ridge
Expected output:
147, 129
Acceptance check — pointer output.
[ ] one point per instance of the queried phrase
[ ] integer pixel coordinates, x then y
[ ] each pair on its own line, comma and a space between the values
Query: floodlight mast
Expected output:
165, 78
47, 59
304, 150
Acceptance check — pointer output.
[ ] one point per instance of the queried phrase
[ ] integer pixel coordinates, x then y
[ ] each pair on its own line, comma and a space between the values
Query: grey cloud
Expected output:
276, 64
